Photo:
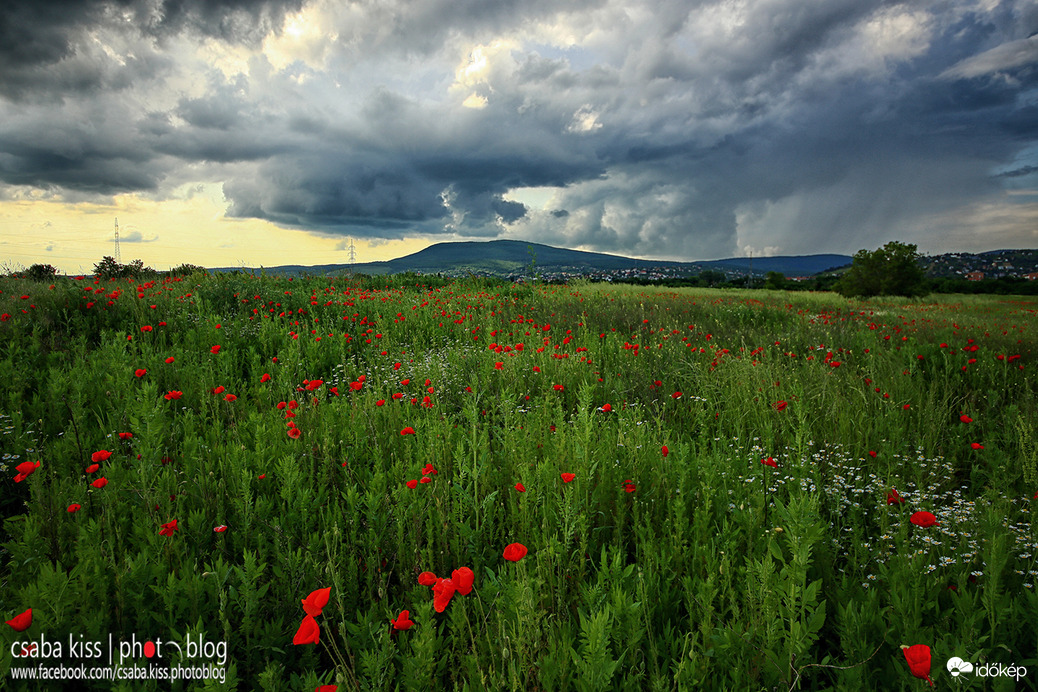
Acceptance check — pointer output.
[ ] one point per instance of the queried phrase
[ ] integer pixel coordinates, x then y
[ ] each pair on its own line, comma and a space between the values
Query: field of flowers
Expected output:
383, 483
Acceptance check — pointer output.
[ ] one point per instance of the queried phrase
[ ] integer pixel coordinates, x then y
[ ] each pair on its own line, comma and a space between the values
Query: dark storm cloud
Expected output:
670, 129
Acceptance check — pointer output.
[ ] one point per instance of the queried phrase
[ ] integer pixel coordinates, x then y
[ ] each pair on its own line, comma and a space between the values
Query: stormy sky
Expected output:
675, 129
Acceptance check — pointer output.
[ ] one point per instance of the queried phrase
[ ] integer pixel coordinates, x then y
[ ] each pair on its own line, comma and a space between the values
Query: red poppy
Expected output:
894, 498
170, 359
220, 529
425, 479
403, 621
140, 372
230, 397
520, 487
100, 482
215, 349
965, 419
629, 487
780, 405
294, 433
499, 366
313, 384
426, 578
976, 445
21, 622
675, 395
924, 519
327, 688
168, 528
514, 552
770, 461
462, 579
100, 455
413, 483
918, 658
218, 390
558, 387
607, 408
25, 469
567, 477
173, 394
265, 378
308, 633
664, 450
125, 435
873, 454
316, 601
443, 592
407, 431
74, 508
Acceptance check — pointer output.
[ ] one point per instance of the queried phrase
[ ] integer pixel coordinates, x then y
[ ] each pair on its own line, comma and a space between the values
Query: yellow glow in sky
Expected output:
191, 228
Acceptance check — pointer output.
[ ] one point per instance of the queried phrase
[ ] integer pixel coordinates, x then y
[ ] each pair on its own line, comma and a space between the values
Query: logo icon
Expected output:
956, 666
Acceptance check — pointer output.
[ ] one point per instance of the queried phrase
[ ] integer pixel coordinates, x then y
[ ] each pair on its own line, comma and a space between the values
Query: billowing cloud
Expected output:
690, 129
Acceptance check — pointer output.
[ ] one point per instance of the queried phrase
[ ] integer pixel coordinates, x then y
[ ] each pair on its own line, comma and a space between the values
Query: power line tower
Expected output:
118, 257
353, 252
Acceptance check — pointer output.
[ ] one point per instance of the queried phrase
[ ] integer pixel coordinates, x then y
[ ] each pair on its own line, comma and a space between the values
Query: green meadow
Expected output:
716, 489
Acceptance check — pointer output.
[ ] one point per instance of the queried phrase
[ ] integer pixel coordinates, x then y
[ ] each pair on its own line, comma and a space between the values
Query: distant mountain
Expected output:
516, 257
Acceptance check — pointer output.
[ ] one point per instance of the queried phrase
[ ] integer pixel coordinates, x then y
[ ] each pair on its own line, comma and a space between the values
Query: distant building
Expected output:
975, 276
1032, 276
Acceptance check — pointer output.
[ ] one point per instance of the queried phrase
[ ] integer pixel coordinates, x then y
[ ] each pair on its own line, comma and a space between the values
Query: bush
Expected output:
891, 270
41, 272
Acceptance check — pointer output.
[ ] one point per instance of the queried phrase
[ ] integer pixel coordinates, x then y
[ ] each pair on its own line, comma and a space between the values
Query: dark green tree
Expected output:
41, 272
108, 268
775, 280
891, 270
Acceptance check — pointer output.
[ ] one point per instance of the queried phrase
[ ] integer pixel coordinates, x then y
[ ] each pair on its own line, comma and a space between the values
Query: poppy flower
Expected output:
140, 372
316, 601
173, 394
265, 378
965, 419
607, 408
230, 397
407, 431
664, 450
413, 483
100, 455
520, 487
218, 390
780, 405
125, 435
294, 433
918, 658
514, 552
73, 508
21, 622
894, 498
462, 579
976, 445
425, 479
168, 528
426, 578
25, 469
873, 453
558, 387
629, 487
308, 633
924, 519
215, 349
567, 477
770, 461
170, 360
220, 529
403, 621
100, 482
443, 592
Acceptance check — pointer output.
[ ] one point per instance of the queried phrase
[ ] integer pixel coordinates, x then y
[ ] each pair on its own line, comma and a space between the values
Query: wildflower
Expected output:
168, 528
918, 658
230, 397
173, 394
220, 529
976, 445
407, 431
567, 477
894, 498
21, 622
266, 377
426, 578
100, 455
514, 552
443, 592
73, 508
924, 519
25, 469
91, 469
215, 349
403, 621
664, 450
770, 461
462, 579
140, 372
413, 483
100, 482
873, 454
558, 387
308, 633
780, 405
607, 408
294, 433
629, 487
520, 487
965, 419
316, 601
125, 435
170, 360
